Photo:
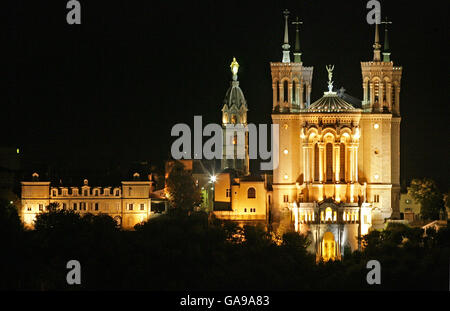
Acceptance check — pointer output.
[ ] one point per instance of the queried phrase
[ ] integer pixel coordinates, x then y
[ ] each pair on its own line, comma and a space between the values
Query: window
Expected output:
316, 162
83, 206
85, 192
96, 192
130, 206
142, 206
41, 207
29, 208
228, 194
329, 159
74, 206
251, 193
376, 198
64, 206
117, 193
96, 206
294, 87
342, 162
328, 214
245, 210
233, 119
54, 193
285, 91
286, 198
253, 210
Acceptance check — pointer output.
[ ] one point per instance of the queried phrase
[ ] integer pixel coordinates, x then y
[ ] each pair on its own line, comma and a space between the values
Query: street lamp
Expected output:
213, 179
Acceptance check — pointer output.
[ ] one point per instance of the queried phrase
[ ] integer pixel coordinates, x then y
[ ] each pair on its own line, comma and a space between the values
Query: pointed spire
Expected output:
297, 52
376, 46
386, 50
286, 46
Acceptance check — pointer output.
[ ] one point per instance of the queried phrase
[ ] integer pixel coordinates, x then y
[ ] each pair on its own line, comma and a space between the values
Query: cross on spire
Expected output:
297, 52
286, 46
386, 52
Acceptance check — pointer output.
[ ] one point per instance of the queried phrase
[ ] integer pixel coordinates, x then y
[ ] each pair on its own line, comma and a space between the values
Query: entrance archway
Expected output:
328, 247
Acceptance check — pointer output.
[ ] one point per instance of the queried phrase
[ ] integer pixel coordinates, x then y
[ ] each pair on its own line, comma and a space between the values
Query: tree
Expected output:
183, 193
10, 223
426, 192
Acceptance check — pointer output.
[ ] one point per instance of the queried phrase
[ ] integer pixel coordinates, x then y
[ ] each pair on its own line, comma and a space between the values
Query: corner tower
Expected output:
291, 85
380, 125
291, 81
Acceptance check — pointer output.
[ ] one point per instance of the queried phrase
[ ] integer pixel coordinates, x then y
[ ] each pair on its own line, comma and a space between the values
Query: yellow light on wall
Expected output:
285, 151
286, 176
376, 126
376, 176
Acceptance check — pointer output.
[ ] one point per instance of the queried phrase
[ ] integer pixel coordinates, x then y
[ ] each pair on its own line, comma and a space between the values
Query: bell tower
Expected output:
380, 122
234, 124
381, 79
291, 81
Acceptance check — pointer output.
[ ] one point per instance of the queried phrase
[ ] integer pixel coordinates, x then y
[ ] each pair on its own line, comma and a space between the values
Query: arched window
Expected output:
294, 87
328, 214
316, 162
233, 119
329, 161
285, 91
251, 193
342, 162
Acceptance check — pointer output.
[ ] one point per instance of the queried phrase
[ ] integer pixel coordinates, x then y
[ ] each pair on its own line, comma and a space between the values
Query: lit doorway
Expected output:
328, 247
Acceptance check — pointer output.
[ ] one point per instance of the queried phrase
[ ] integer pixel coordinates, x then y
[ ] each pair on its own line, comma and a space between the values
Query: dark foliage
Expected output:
180, 251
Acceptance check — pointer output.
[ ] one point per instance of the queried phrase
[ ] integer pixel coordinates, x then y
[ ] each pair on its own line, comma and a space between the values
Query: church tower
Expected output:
291, 86
234, 124
380, 125
291, 81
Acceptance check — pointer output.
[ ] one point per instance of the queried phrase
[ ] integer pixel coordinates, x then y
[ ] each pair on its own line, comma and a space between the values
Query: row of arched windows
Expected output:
286, 91
328, 165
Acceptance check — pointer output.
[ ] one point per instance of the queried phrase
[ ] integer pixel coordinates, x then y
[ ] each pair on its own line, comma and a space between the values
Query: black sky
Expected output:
110, 89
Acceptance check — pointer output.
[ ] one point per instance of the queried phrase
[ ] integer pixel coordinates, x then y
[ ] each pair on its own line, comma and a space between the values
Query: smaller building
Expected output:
241, 199
409, 208
129, 204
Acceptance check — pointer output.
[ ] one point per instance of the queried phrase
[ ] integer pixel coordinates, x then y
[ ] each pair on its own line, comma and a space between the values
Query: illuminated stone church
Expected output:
339, 170
339, 160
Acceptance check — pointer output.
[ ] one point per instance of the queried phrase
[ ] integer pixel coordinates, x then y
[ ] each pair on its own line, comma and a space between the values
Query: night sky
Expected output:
109, 90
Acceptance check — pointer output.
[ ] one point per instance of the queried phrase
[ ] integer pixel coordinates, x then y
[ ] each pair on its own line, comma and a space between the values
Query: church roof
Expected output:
331, 102
235, 96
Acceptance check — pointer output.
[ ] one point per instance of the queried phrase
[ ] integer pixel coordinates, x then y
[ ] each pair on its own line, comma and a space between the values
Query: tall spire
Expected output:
376, 46
286, 46
386, 50
297, 52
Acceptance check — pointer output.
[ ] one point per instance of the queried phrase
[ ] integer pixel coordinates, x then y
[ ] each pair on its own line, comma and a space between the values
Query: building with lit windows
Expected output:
339, 158
339, 167
128, 204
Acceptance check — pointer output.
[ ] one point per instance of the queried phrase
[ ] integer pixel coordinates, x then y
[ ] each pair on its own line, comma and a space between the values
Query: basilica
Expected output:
339, 159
